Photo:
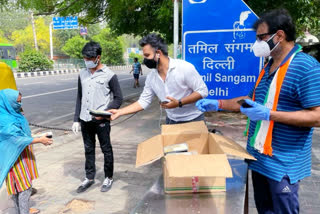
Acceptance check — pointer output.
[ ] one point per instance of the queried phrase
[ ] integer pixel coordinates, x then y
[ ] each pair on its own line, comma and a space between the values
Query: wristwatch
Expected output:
180, 104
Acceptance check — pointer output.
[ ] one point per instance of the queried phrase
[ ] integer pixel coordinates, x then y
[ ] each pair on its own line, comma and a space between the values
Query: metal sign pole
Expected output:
51, 46
175, 29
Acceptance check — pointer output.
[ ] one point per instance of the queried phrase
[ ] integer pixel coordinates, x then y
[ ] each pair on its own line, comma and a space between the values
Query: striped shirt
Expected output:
291, 144
22, 172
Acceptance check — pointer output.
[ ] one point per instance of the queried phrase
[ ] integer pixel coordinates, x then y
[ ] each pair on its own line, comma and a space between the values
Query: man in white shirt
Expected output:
175, 82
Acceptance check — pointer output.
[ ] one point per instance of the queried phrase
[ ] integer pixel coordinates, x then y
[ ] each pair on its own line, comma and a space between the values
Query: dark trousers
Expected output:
169, 121
102, 130
275, 197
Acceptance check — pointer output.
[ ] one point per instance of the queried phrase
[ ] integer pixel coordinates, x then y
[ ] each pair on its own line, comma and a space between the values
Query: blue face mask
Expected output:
16, 106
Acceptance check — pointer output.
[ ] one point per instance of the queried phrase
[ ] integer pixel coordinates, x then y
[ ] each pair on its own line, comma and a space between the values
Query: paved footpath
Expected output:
61, 168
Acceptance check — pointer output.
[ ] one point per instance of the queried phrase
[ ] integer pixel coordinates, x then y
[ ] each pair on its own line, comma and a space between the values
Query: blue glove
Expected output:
207, 105
256, 112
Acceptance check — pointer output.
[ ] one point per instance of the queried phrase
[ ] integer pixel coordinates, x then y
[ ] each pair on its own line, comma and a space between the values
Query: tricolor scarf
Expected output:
262, 137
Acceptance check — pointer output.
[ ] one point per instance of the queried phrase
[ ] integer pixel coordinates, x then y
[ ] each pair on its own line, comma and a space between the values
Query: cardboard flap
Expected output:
214, 147
198, 165
184, 128
149, 151
198, 145
181, 133
230, 147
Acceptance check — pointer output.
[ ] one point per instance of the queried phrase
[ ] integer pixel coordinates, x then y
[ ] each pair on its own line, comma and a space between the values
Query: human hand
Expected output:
100, 118
45, 140
115, 113
75, 127
256, 112
205, 105
173, 103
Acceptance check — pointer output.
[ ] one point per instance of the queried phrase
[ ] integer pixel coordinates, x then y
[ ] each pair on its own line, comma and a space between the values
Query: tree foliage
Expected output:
305, 13
112, 53
32, 60
111, 47
3, 39
139, 17
133, 55
74, 46
62, 36
12, 20
23, 39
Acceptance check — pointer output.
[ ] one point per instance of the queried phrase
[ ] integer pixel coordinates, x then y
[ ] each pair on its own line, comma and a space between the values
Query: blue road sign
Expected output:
218, 39
69, 22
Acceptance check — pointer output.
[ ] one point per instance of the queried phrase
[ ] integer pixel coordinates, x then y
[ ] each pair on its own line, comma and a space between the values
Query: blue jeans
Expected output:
169, 121
275, 197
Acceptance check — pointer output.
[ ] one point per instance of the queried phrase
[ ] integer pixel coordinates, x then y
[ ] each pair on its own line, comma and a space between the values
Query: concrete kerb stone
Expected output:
56, 72
44, 73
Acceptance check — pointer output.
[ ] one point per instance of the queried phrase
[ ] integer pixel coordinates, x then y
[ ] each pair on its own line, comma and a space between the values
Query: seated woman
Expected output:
17, 162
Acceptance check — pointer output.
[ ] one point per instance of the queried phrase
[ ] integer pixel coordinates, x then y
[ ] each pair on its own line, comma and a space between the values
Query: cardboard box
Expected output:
205, 172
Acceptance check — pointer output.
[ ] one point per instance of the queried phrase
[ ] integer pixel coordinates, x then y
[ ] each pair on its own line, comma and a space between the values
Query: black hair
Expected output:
136, 59
91, 50
155, 41
278, 19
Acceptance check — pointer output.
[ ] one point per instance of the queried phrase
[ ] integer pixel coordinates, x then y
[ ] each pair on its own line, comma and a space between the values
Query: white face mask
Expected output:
91, 64
262, 48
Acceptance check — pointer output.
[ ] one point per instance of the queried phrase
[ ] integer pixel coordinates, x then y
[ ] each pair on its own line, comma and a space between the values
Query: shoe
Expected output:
106, 186
85, 185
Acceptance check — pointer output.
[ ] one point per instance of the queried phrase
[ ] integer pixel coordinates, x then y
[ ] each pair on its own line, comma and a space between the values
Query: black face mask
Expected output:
271, 43
150, 63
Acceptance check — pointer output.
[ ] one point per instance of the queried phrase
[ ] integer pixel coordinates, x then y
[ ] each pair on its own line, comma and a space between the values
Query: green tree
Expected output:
305, 13
112, 51
32, 60
12, 20
62, 36
129, 41
74, 46
135, 55
23, 39
139, 17
3, 39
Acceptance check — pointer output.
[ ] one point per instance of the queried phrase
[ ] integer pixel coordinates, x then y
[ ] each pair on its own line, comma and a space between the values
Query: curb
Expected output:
44, 73
49, 73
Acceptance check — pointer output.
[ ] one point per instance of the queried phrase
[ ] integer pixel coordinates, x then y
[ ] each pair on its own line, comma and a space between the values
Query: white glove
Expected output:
75, 127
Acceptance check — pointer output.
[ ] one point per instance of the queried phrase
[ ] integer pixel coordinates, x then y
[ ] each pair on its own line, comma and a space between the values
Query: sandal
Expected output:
34, 211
